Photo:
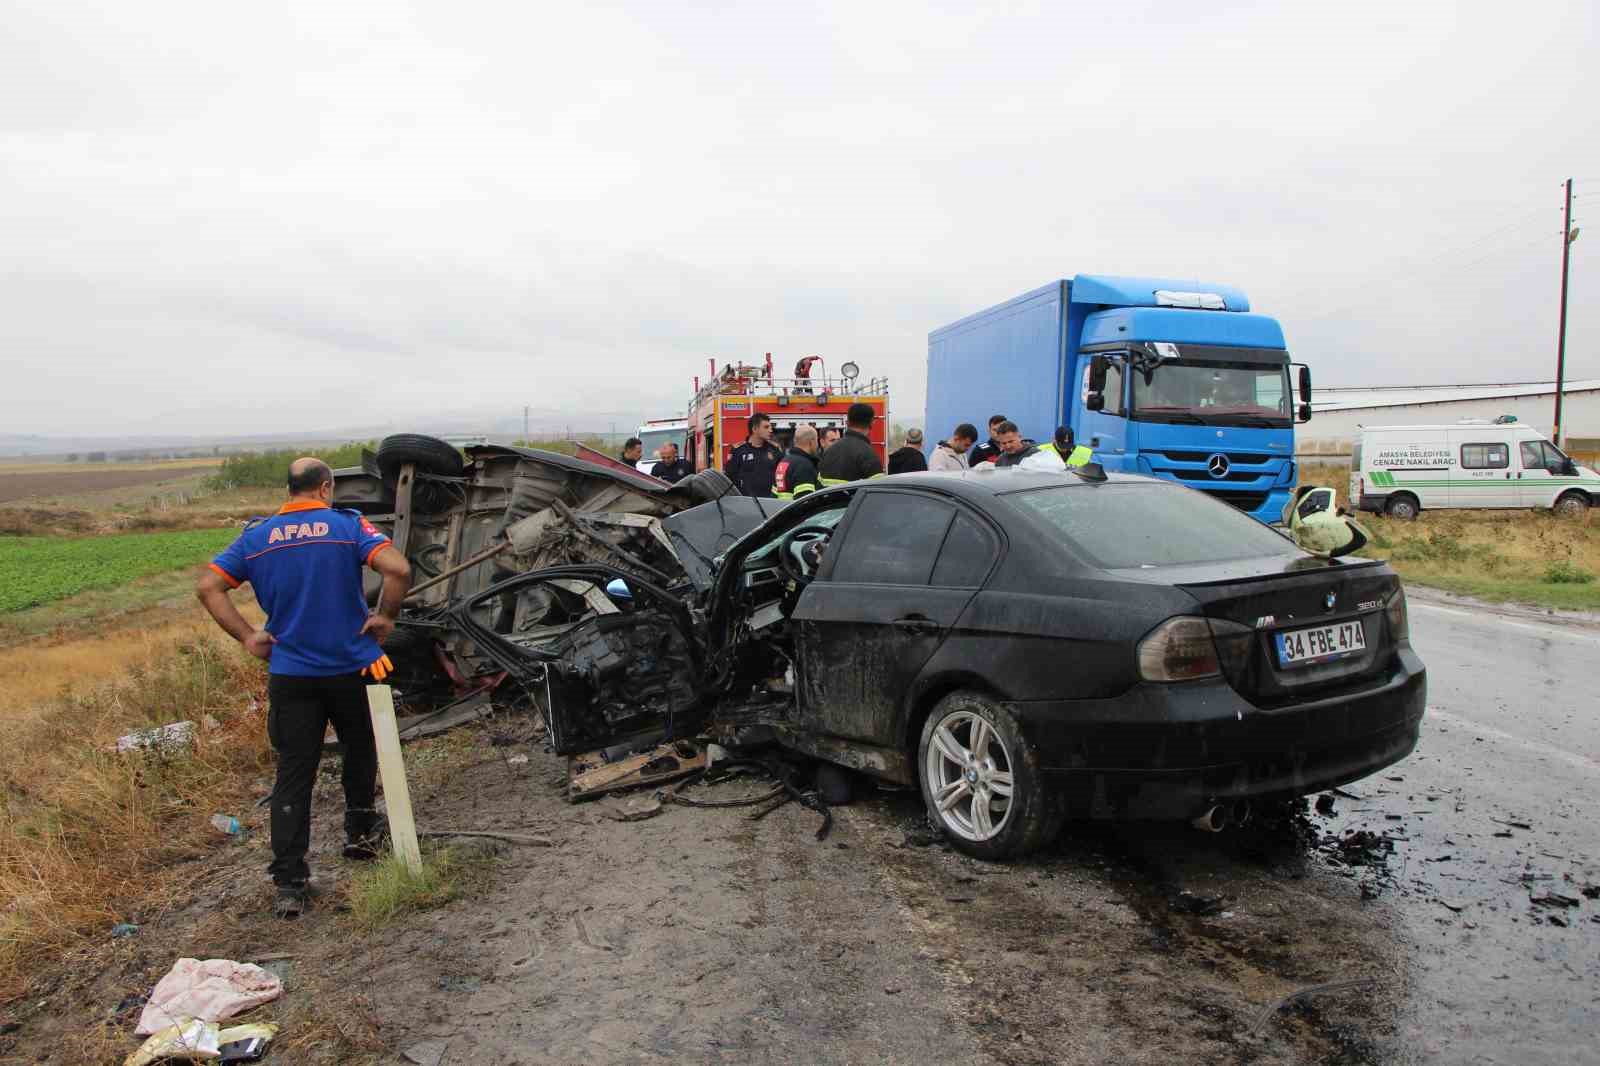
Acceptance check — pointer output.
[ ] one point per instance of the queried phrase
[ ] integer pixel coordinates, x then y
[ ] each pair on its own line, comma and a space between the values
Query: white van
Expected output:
1402, 470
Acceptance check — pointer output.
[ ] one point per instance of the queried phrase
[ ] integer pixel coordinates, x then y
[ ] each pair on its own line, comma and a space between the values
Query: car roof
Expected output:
998, 482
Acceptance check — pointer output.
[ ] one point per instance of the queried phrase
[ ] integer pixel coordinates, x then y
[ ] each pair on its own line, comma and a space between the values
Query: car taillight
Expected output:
1187, 648
1399, 623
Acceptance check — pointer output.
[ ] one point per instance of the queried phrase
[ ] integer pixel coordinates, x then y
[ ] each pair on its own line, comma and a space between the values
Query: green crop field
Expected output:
35, 570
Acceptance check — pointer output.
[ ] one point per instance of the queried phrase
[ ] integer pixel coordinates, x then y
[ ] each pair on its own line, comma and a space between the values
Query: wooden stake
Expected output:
392, 769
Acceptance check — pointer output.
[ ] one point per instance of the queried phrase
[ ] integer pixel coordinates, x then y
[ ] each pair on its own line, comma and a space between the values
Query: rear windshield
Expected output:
1149, 525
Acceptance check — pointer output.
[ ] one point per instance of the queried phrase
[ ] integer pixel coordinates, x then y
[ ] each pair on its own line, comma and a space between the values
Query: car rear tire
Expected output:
430, 454
1572, 505
1403, 507
980, 779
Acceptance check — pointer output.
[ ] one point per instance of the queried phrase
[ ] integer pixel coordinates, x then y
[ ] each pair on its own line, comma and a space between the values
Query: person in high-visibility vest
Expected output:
1062, 445
796, 473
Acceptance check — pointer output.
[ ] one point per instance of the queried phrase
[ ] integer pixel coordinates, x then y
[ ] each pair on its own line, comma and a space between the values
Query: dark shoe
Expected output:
291, 901
370, 846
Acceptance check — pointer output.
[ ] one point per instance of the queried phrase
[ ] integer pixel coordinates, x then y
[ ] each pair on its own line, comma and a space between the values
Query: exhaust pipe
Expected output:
1242, 810
1213, 820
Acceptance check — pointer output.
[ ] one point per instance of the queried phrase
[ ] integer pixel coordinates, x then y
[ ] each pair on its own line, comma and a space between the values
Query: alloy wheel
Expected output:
968, 771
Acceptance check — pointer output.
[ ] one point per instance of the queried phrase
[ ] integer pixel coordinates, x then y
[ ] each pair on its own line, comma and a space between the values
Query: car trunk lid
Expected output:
1311, 597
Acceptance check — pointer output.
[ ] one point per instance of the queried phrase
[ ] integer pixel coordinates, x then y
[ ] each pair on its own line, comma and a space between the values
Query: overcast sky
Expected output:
223, 218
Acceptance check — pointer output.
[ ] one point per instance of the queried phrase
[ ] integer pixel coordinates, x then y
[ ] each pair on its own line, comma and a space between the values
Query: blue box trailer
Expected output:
1175, 379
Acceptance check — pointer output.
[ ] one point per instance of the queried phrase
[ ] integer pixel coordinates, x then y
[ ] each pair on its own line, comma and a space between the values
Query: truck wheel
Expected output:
980, 779
432, 456
1403, 507
1572, 505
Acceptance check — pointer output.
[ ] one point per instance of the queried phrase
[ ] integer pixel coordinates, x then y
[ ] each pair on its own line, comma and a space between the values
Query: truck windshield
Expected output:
1214, 394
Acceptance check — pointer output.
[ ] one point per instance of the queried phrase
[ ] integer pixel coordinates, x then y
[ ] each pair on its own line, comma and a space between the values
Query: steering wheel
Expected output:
790, 543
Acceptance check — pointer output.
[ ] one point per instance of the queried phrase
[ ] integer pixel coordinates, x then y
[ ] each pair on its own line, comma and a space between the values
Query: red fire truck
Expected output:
720, 411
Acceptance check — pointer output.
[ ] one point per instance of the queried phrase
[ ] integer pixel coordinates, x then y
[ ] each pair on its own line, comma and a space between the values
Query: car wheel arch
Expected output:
925, 696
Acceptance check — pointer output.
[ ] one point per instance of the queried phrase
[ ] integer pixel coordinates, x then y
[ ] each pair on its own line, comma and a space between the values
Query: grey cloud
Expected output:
200, 199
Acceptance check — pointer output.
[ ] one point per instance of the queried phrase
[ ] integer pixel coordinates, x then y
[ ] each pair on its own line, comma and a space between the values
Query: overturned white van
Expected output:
1403, 470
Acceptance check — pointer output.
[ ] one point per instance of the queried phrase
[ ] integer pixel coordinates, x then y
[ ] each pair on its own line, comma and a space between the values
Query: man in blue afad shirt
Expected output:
304, 564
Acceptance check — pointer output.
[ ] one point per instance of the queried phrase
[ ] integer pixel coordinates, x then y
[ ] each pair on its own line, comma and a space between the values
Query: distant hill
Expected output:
498, 427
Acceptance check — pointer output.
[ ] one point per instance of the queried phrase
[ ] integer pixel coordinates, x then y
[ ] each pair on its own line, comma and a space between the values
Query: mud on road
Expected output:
702, 935
707, 936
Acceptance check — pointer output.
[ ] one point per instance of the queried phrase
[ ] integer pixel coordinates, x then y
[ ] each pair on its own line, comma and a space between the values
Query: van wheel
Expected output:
1403, 507
980, 779
432, 455
1572, 505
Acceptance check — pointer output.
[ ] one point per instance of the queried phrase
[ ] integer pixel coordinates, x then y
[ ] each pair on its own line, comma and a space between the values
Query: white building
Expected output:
1337, 414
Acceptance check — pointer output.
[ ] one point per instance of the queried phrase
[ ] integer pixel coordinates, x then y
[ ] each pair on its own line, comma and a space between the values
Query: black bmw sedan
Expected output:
1024, 647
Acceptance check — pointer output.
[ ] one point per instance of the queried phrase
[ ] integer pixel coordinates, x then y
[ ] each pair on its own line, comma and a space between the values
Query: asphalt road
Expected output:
1493, 812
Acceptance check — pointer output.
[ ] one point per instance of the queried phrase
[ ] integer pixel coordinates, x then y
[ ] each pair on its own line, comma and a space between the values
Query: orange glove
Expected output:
380, 669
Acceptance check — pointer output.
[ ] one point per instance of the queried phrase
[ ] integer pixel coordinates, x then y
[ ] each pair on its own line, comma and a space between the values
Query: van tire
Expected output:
707, 485
430, 454
1571, 505
1402, 506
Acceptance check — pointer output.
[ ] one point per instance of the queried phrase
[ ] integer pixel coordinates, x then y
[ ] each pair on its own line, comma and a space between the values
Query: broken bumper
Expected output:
1170, 751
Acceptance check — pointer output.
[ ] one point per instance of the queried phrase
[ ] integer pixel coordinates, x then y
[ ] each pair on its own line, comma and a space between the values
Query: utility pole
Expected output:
1567, 236
524, 425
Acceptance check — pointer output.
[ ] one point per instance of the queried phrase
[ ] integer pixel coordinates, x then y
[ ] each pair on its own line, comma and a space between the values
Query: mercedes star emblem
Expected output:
1218, 465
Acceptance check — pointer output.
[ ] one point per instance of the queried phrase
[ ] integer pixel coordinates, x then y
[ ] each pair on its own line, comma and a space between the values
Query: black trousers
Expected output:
299, 710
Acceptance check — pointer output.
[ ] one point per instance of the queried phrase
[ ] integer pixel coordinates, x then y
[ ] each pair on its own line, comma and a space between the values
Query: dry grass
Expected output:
88, 837
1522, 555
201, 512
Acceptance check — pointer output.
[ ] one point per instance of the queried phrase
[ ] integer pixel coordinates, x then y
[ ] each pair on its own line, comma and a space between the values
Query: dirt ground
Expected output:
706, 936
68, 480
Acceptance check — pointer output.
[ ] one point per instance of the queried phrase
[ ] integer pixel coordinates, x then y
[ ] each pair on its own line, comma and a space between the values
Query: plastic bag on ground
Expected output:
209, 990
191, 1040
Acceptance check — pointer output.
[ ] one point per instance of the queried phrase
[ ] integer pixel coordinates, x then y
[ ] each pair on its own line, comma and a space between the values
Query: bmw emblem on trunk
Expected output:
1218, 465
1330, 599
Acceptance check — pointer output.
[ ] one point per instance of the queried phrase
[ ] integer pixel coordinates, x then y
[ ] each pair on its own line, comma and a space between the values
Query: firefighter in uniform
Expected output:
796, 474
304, 565
752, 465
853, 458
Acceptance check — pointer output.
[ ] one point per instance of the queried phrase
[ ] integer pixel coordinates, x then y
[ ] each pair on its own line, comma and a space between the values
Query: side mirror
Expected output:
1304, 413
1305, 384
1099, 366
1569, 468
1095, 401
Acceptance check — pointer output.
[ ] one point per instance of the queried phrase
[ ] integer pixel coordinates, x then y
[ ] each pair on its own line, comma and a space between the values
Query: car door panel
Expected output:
862, 646
874, 617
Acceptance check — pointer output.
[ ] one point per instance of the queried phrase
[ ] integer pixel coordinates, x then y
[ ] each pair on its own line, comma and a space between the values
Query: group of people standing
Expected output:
1007, 447
817, 458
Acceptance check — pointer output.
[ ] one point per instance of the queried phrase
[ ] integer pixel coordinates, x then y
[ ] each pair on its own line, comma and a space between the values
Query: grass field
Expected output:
38, 570
1516, 555
35, 481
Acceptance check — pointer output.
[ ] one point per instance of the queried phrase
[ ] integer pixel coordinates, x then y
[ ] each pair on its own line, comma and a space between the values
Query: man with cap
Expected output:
908, 458
1062, 446
304, 566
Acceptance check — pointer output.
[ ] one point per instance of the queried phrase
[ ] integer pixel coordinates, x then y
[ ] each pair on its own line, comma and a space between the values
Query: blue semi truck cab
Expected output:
1177, 379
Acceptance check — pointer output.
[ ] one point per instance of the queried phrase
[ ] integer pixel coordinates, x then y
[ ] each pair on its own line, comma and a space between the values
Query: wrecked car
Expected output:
1022, 647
